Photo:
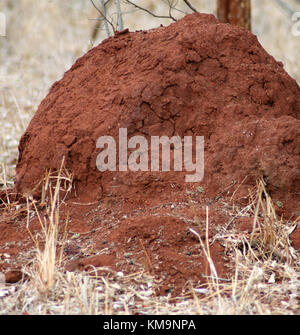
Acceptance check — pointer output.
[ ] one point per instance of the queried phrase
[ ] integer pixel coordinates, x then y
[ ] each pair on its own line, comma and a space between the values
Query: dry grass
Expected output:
43, 40
266, 273
46, 258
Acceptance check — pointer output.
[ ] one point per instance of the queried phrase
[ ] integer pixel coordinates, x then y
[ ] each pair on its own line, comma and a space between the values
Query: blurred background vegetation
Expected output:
45, 37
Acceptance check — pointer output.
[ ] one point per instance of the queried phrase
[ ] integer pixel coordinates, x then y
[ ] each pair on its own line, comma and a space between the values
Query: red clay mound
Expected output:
194, 77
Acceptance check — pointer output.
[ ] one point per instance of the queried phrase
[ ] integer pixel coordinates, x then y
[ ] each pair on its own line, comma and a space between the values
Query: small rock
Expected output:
13, 276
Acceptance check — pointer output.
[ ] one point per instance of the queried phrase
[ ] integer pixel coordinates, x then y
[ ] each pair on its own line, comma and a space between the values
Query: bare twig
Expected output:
171, 7
190, 6
149, 12
105, 21
120, 19
103, 15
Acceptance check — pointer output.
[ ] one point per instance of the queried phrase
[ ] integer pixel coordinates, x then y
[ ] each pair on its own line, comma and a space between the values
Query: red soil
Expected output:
194, 77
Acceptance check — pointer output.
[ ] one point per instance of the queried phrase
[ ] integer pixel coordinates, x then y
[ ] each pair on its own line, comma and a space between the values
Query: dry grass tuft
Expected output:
46, 259
270, 237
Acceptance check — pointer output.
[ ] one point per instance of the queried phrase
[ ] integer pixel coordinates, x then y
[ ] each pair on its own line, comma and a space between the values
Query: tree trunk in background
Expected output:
236, 12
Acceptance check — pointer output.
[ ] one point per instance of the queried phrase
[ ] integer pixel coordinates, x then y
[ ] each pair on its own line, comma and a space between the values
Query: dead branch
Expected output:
151, 13
120, 18
104, 17
190, 6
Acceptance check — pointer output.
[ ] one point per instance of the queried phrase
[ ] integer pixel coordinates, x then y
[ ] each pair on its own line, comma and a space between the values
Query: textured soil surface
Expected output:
194, 77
